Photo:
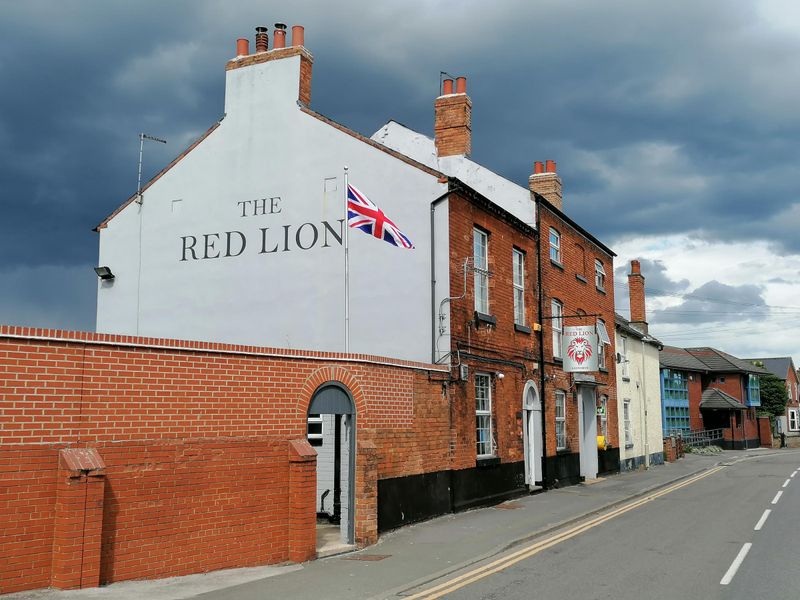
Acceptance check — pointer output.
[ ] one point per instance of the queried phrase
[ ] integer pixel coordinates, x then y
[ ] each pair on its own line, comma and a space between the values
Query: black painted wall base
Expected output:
608, 461
741, 444
562, 469
405, 500
631, 464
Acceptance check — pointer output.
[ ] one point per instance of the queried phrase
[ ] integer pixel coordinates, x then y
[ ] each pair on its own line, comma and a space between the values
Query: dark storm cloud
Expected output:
657, 282
660, 123
715, 302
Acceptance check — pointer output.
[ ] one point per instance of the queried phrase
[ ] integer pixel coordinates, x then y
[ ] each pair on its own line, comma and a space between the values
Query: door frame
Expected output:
532, 449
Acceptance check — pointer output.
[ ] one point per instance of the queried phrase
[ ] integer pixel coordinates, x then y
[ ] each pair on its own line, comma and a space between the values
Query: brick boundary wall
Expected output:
127, 458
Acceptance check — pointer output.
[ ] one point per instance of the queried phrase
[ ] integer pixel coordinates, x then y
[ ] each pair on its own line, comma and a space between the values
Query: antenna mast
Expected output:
142, 138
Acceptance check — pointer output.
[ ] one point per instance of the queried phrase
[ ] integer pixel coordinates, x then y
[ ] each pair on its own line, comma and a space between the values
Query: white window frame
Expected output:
555, 245
599, 275
561, 419
601, 346
480, 267
604, 418
623, 354
518, 268
794, 423
483, 416
314, 420
557, 321
626, 422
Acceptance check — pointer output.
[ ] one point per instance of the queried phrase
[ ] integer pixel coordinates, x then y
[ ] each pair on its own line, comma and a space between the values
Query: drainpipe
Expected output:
540, 299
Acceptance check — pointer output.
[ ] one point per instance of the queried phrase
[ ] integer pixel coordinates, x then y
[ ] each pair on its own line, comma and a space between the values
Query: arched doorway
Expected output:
532, 434
331, 430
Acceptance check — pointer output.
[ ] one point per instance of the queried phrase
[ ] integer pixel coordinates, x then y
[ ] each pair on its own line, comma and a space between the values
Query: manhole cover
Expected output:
367, 557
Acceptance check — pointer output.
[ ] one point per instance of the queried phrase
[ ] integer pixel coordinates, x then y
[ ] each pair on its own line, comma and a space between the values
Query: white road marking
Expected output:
737, 562
793, 474
762, 520
786, 483
777, 497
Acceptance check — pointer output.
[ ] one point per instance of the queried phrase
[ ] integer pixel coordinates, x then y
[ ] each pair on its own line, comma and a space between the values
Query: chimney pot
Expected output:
280, 36
447, 87
298, 35
242, 47
635, 267
550, 166
538, 168
262, 39
461, 85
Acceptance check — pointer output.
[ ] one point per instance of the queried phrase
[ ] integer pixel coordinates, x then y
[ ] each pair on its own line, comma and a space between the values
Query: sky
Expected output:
674, 125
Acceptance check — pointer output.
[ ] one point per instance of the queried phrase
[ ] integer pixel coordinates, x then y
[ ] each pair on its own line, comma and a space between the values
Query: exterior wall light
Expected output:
104, 273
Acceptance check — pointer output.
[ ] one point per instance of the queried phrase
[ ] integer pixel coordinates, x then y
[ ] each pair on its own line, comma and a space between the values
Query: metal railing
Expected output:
704, 437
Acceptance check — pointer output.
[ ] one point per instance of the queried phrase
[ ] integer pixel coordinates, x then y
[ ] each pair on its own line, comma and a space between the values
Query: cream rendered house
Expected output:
638, 383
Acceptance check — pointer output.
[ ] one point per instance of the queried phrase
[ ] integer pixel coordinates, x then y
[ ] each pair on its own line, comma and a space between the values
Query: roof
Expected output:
623, 324
717, 361
778, 366
678, 358
714, 398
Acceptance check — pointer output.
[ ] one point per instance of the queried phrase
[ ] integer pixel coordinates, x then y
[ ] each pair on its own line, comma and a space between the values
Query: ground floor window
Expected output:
602, 416
561, 420
626, 419
315, 430
483, 415
793, 422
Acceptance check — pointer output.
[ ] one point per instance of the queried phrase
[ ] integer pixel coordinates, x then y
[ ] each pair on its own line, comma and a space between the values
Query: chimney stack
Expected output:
262, 39
453, 121
546, 182
636, 291
280, 36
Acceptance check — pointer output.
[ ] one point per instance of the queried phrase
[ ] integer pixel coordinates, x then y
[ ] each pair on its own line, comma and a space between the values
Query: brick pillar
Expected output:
78, 519
302, 501
764, 432
366, 493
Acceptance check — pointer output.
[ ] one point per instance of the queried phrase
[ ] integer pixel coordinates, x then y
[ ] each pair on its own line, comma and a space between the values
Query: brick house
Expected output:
783, 368
706, 388
450, 394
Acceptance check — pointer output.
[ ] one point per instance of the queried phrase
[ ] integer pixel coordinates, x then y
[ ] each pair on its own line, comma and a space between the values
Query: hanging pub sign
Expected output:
579, 349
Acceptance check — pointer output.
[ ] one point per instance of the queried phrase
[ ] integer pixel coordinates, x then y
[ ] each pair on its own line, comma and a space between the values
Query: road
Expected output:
707, 538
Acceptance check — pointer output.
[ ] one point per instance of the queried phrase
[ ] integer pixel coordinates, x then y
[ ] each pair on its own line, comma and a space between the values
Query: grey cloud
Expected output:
657, 282
715, 302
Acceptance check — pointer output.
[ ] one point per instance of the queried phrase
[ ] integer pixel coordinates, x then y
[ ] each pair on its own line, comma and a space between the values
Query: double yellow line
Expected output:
510, 559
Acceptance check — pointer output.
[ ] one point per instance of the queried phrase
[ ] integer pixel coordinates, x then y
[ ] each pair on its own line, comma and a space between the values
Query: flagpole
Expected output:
346, 270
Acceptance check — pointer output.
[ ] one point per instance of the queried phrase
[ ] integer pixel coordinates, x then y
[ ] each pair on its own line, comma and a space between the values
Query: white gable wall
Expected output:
273, 293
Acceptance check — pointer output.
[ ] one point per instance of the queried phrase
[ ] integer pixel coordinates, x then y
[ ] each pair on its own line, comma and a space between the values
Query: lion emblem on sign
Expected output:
579, 350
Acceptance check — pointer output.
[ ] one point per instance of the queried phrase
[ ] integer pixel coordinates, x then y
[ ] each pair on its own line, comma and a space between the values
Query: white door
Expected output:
532, 434
587, 431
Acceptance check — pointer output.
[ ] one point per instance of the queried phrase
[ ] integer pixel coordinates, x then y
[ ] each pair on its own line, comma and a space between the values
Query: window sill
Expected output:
558, 360
485, 319
556, 264
601, 290
603, 370
522, 328
487, 461
628, 446
626, 379
581, 278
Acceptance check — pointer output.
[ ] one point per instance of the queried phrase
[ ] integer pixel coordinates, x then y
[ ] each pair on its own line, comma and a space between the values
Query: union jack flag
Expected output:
364, 215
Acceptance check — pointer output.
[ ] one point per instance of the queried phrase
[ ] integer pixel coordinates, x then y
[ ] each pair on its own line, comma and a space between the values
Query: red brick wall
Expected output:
563, 283
194, 437
732, 385
695, 396
499, 342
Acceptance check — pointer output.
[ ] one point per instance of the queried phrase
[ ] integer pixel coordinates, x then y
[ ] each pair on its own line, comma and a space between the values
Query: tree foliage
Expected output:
773, 394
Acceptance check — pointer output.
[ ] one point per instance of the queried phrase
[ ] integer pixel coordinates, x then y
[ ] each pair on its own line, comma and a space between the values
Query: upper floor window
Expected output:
555, 246
599, 275
519, 287
603, 341
480, 257
753, 391
556, 312
623, 356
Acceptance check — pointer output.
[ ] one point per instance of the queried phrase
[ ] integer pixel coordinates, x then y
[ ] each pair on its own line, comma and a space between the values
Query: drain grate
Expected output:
367, 557
509, 505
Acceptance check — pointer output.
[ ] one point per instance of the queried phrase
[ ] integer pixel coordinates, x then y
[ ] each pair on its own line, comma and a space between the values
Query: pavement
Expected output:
413, 556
